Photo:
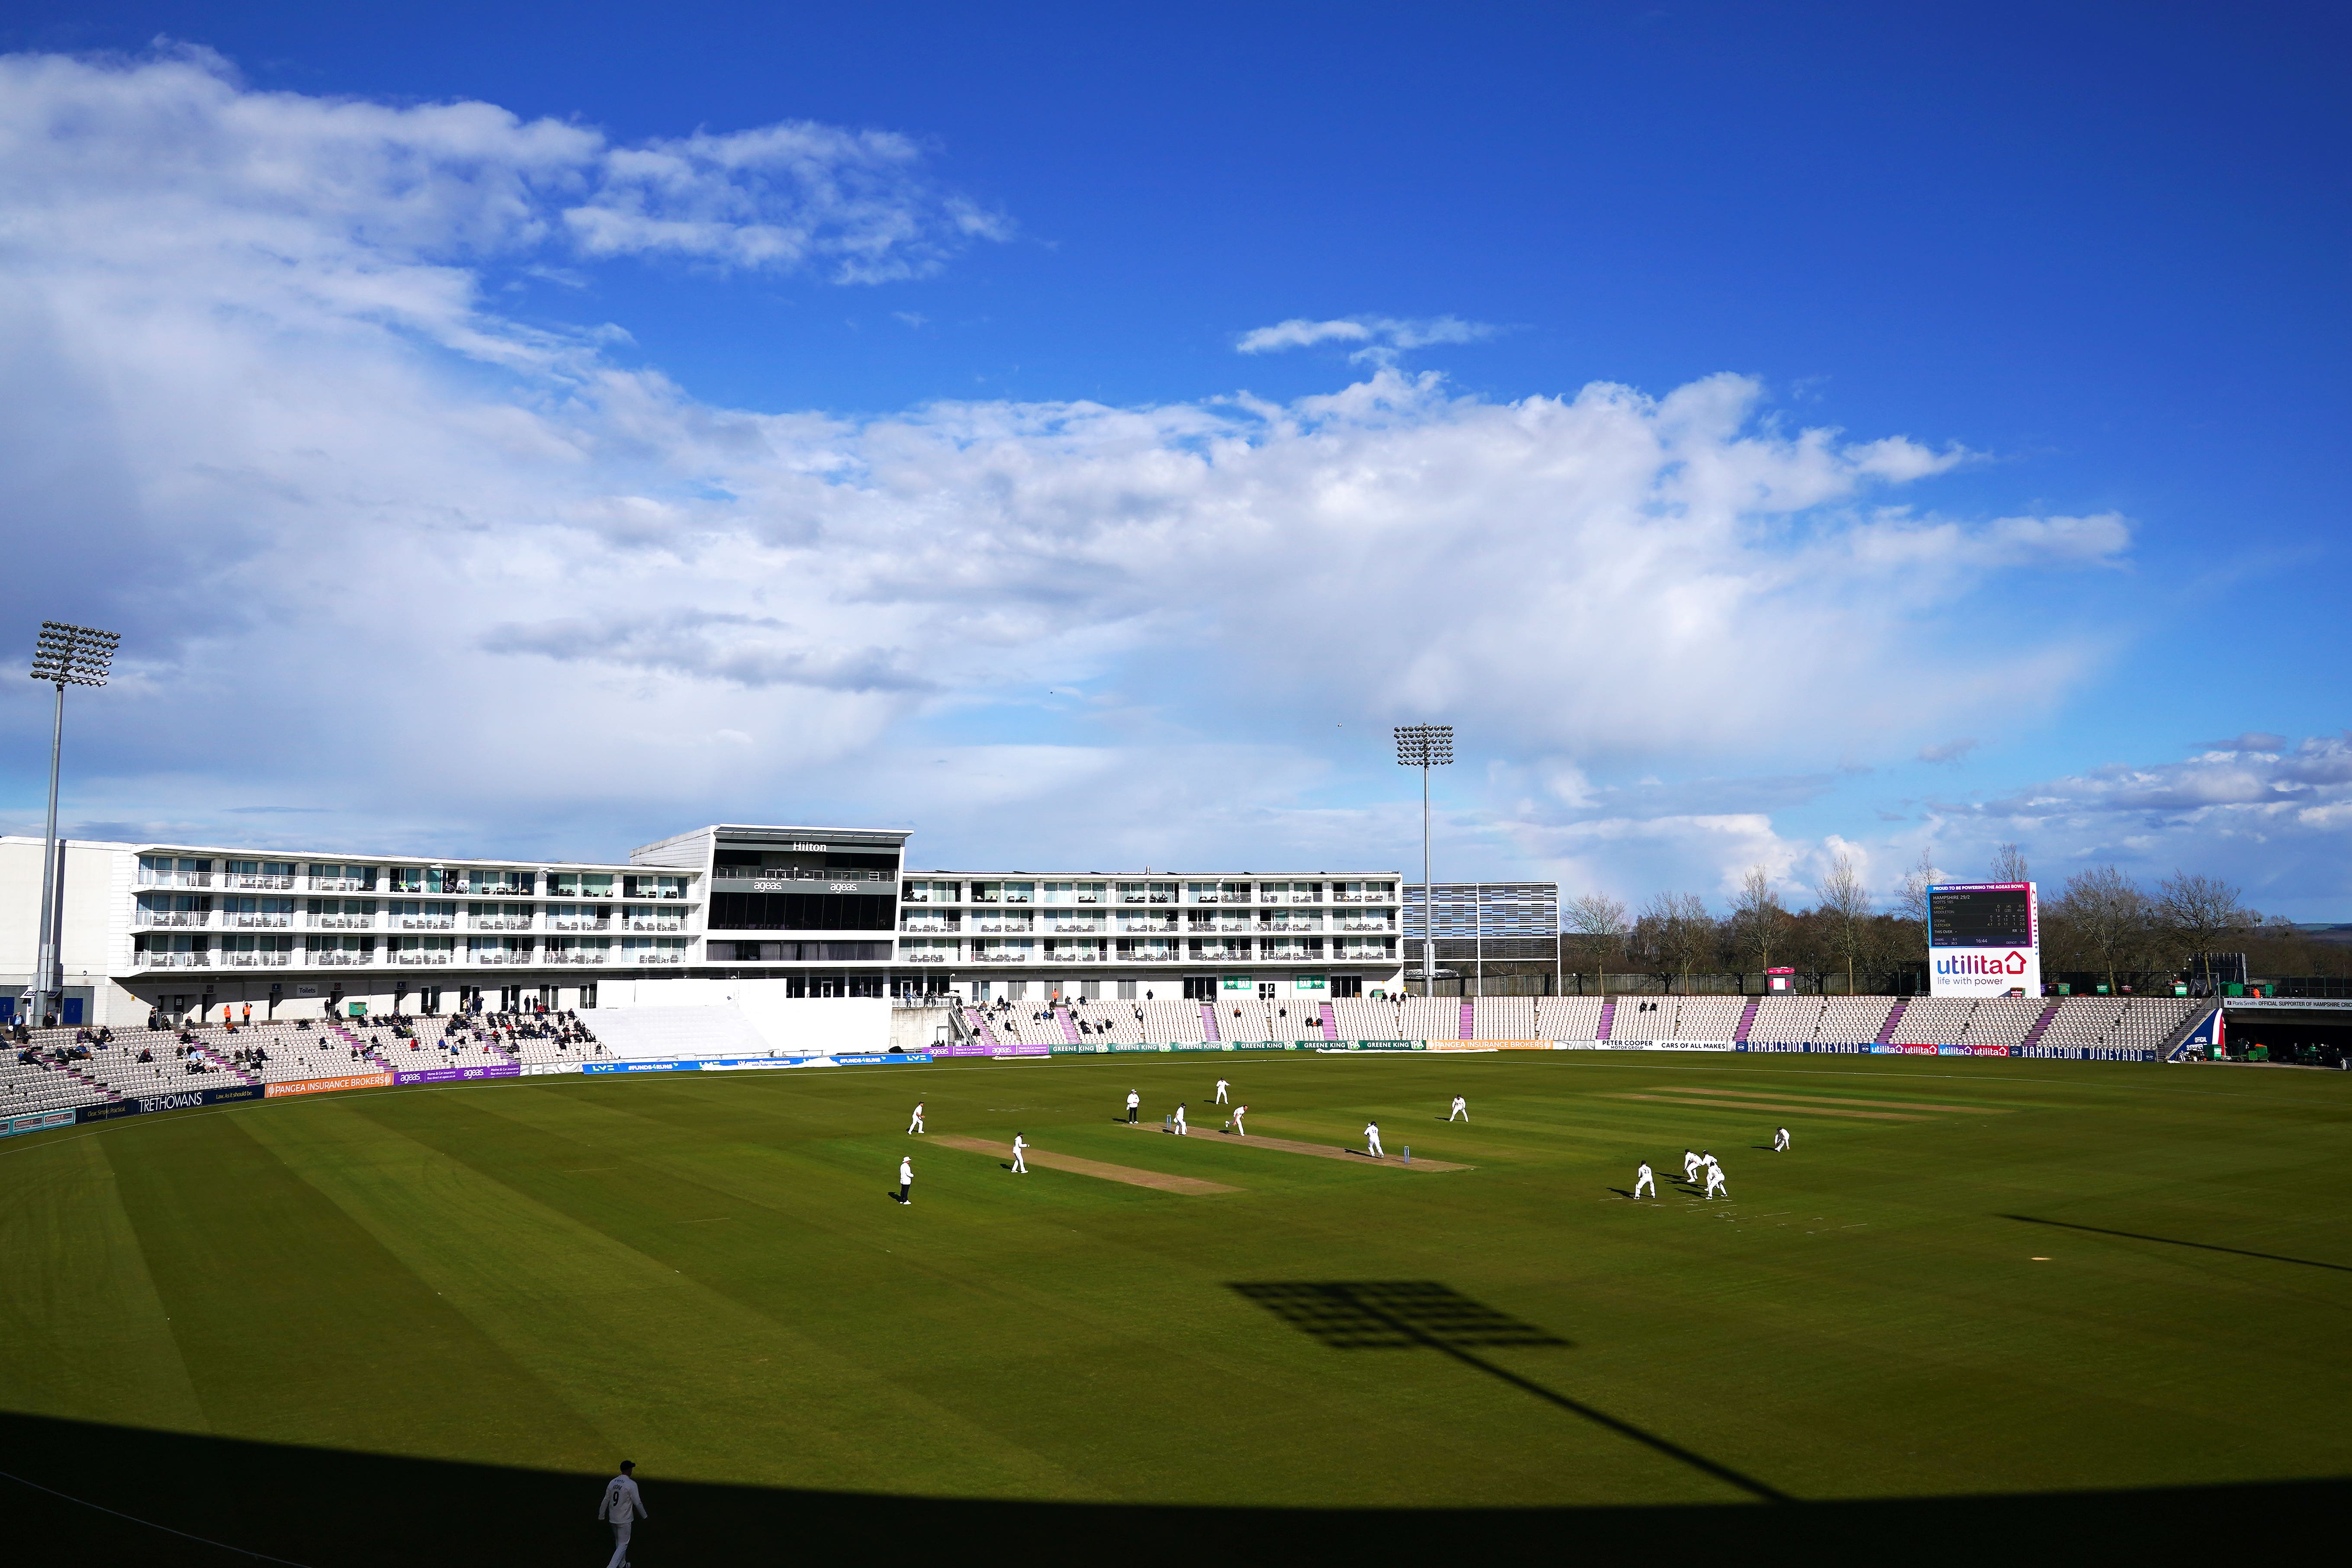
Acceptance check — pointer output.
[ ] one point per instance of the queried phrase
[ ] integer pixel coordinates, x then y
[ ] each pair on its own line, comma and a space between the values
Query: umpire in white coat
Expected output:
622, 1508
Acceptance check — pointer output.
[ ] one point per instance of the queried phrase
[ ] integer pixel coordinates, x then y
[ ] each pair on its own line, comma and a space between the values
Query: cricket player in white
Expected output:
1178, 1126
1133, 1099
906, 1180
1715, 1181
622, 1508
1643, 1180
1372, 1140
1690, 1166
1240, 1111
916, 1123
1461, 1112
1222, 1087
1020, 1165
1780, 1141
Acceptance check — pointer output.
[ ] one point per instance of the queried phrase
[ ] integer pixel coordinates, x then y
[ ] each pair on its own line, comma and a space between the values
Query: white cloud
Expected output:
367, 539
1384, 336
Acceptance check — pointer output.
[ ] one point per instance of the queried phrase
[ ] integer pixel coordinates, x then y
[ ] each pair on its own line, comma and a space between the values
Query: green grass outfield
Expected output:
705, 1273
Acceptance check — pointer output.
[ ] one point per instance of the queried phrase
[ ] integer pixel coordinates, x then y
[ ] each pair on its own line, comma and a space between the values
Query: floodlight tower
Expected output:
64, 656
1426, 746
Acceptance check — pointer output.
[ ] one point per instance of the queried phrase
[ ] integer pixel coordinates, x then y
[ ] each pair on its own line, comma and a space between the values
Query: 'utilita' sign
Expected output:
1984, 938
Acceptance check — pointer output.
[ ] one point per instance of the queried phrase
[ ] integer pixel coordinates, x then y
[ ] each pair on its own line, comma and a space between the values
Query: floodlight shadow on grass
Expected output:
2177, 1241
1409, 1314
1390, 1314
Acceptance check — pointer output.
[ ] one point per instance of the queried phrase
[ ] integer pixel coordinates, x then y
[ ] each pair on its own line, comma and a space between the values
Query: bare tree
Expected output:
1759, 922
2008, 864
1844, 911
2199, 910
1599, 919
2110, 917
1911, 894
1690, 932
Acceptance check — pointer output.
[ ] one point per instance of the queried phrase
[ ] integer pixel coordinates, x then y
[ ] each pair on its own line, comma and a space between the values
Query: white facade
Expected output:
1115, 936
798, 911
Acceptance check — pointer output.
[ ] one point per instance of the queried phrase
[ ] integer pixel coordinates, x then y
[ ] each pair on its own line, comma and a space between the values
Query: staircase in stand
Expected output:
1746, 1019
1894, 1017
1608, 1016
978, 1021
2034, 1035
1069, 1025
1331, 1023
1469, 1020
222, 1064
1209, 1020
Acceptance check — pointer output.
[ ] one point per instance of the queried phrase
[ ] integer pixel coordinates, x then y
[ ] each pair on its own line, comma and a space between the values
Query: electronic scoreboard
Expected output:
1984, 940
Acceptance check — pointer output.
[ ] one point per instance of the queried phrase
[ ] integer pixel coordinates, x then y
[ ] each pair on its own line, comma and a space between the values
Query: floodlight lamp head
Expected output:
67, 654
1425, 745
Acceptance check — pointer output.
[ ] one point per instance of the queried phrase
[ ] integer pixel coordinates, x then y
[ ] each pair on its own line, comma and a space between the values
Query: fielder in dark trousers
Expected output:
622, 1508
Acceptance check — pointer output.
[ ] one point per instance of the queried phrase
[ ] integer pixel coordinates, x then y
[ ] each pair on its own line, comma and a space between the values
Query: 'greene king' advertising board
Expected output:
1984, 938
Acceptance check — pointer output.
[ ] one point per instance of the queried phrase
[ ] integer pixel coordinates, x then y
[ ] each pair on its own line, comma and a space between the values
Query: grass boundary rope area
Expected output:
337, 1510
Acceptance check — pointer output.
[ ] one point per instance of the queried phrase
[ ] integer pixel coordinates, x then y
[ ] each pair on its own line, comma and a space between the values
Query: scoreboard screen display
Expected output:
1985, 915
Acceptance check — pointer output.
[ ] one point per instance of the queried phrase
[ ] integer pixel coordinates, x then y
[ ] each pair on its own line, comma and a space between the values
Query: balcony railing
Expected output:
1168, 926
341, 885
259, 922
407, 957
256, 959
174, 878
1001, 925
561, 956
1366, 925
344, 923
500, 890
916, 898
501, 956
160, 919
257, 880
1000, 957
932, 926
923, 958
653, 925
498, 922
662, 958
176, 960
599, 926
1069, 929
426, 922
342, 960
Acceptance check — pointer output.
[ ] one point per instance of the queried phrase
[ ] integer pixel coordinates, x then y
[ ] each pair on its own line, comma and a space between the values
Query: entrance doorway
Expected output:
1265, 990
1200, 988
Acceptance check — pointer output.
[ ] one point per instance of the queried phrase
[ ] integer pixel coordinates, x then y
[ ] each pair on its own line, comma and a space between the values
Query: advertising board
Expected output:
459, 1074
186, 1099
41, 1121
330, 1085
1984, 938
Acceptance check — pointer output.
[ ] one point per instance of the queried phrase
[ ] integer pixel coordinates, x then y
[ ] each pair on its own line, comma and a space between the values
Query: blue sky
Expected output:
1765, 433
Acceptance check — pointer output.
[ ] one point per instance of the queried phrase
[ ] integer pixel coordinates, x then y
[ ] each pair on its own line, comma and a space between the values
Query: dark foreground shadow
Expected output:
328, 1510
